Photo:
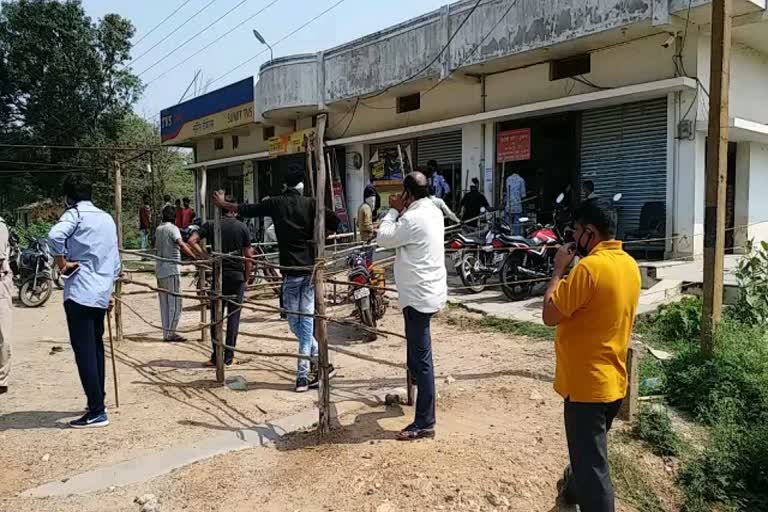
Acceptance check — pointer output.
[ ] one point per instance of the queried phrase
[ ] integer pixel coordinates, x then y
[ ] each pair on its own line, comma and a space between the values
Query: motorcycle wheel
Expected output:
366, 313
35, 297
472, 283
509, 277
58, 279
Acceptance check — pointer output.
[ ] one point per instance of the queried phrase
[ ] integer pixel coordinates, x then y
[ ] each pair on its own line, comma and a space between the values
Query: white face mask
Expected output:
371, 201
300, 188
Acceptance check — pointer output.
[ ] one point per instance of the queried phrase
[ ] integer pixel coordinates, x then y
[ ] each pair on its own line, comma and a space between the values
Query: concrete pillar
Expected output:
471, 152
741, 199
357, 176
489, 163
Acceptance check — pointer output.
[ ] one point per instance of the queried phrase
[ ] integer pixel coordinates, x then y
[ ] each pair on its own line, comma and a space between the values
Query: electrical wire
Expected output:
187, 41
291, 34
201, 50
354, 111
171, 33
79, 148
475, 48
137, 43
42, 164
436, 57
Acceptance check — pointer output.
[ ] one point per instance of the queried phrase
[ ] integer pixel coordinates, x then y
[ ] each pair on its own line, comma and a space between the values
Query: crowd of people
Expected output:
593, 303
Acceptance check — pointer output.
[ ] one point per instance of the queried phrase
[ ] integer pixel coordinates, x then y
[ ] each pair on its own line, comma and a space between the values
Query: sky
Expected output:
349, 20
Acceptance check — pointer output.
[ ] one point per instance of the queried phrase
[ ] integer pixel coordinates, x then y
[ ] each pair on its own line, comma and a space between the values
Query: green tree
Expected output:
63, 81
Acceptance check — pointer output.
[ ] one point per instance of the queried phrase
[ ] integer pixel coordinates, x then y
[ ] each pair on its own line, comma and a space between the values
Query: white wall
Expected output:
758, 190
471, 151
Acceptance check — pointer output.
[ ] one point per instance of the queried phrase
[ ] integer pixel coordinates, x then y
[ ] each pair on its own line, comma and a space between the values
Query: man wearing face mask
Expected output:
365, 215
293, 215
414, 228
594, 311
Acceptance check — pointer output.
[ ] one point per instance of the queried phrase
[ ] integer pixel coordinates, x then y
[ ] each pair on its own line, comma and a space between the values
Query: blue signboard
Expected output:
215, 111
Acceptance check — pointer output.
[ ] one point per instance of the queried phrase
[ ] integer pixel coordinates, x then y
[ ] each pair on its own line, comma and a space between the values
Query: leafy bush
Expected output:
654, 426
35, 230
733, 383
674, 325
752, 276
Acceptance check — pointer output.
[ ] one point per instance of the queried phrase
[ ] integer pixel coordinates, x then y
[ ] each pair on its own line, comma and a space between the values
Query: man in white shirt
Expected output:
6, 285
414, 228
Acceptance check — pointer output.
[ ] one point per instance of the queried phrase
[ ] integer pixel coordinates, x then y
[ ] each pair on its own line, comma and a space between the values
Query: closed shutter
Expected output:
443, 147
624, 150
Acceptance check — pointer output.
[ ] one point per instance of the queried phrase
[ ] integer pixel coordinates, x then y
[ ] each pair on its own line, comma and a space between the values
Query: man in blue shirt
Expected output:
84, 242
438, 187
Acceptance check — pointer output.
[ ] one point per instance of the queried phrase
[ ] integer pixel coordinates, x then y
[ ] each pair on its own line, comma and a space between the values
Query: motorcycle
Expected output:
33, 271
370, 303
532, 259
477, 257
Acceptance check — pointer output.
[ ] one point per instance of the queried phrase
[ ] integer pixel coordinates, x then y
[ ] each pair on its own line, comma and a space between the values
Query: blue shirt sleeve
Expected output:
60, 233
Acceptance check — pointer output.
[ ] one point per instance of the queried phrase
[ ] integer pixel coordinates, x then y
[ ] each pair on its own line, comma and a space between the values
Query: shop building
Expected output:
612, 92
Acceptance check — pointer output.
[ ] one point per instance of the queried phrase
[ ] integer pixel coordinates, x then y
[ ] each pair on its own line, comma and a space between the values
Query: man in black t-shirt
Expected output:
293, 215
236, 240
473, 203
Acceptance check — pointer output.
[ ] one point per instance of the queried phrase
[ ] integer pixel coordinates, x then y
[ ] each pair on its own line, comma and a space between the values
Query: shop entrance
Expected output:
545, 153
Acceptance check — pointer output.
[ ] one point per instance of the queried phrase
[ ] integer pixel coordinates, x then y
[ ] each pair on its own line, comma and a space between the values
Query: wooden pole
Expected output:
112, 353
202, 282
218, 302
628, 410
118, 186
324, 390
716, 174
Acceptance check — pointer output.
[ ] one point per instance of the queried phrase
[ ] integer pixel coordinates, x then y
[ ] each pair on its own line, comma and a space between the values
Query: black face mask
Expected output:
583, 249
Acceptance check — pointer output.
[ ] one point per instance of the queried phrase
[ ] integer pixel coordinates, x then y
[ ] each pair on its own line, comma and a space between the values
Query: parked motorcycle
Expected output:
478, 257
370, 303
32, 271
533, 258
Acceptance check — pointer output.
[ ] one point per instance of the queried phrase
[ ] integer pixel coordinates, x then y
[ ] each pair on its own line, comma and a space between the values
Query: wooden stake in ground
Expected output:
716, 173
218, 315
118, 186
203, 281
324, 391
112, 353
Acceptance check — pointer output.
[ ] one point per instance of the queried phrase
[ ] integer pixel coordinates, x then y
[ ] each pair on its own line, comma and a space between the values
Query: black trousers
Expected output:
236, 289
86, 334
419, 342
586, 428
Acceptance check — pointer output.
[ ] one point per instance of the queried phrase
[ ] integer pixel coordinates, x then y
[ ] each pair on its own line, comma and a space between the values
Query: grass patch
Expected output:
631, 482
653, 378
654, 426
502, 325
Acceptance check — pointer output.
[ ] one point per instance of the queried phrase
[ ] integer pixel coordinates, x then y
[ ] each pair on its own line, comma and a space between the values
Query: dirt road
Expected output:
500, 443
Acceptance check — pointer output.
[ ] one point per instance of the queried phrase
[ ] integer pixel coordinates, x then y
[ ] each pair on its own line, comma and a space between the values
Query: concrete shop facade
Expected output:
629, 113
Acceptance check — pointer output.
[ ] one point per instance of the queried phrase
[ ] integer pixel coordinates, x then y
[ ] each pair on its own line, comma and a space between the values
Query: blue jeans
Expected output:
513, 219
144, 239
299, 297
419, 342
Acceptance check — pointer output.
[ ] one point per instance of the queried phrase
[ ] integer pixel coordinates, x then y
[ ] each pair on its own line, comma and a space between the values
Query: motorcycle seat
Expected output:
515, 239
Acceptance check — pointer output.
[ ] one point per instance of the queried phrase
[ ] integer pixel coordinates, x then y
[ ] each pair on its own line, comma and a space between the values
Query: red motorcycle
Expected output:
531, 259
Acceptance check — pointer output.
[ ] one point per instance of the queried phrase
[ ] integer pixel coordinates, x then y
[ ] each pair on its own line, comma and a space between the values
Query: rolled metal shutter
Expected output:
443, 147
624, 150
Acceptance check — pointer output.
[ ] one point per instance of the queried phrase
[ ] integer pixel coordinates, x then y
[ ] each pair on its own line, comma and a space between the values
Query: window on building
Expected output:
218, 143
235, 141
408, 103
269, 132
570, 67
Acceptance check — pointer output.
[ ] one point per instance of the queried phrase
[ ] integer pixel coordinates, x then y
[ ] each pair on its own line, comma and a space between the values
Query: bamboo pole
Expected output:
118, 186
218, 303
324, 390
112, 354
202, 282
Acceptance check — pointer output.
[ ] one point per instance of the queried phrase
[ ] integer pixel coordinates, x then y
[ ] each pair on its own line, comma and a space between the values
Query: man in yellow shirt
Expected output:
594, 311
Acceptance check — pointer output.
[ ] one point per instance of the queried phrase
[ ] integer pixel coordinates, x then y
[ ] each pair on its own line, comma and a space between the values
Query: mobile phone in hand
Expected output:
70, 271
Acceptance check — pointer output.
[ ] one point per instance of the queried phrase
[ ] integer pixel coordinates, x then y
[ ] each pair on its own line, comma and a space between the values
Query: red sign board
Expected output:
513, 145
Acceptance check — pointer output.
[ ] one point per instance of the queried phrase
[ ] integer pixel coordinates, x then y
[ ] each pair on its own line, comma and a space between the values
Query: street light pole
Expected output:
263, 41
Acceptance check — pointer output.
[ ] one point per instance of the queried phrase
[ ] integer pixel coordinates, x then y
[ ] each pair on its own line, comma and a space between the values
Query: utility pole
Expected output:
716, 173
